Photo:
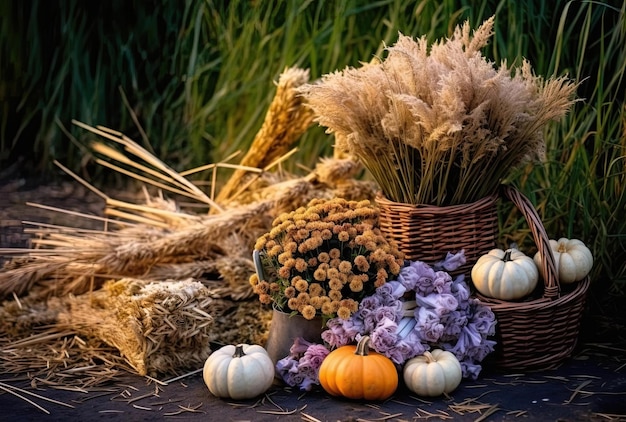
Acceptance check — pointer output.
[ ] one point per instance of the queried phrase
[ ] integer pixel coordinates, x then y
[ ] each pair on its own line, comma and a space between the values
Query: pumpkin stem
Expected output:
429, 357
238, 351
507, 255
363, 346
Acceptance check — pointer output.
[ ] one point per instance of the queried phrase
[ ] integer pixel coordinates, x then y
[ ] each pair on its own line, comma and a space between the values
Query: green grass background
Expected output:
198, 75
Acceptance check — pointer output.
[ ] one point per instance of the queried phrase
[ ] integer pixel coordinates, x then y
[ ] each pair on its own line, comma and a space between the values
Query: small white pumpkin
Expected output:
505, 275
238, 372
572, 258
433, 374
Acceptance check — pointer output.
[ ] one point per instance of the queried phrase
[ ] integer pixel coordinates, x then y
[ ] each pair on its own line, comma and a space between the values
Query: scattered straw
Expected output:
21, 393
577, 391
26, 399
490, 411
382, 418
423, 414
180, 377
611, 416
473, 405
308, 418
185, 409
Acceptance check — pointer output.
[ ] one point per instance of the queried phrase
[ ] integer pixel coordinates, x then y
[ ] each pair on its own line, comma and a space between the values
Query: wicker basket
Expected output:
540, 333
531, 335
427, 233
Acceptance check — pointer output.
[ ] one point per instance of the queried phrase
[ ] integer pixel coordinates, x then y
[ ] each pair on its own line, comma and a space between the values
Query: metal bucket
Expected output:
285, 328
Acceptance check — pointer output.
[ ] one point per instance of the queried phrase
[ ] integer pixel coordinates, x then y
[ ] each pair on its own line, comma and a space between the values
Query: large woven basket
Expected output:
539, 333
427, 233
535, 334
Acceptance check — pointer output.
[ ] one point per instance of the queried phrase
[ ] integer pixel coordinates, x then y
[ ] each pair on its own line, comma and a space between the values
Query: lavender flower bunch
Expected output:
423, 308
301, 367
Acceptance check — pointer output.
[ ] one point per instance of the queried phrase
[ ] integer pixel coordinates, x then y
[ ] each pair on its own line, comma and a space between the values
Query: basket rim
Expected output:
488, 200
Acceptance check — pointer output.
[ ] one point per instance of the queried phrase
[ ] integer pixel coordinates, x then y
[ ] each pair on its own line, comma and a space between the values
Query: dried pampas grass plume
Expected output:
440, 124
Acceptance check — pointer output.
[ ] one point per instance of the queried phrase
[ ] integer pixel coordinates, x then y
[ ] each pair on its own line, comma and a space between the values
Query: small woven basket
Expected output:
427, 233
539, 333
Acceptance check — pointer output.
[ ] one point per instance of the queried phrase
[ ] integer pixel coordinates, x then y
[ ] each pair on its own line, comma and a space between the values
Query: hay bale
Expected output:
158, 327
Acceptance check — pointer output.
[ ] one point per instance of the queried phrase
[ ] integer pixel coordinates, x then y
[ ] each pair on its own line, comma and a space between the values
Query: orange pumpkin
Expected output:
355, 372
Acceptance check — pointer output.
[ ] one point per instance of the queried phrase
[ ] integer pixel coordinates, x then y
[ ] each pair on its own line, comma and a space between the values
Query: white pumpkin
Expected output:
433, 374
238, 372
572, 258
505, 275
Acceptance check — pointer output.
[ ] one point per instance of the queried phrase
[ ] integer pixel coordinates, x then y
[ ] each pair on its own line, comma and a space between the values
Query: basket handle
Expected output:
548, 266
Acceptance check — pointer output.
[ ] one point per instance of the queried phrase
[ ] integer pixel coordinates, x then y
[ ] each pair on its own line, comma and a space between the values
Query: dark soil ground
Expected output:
589, 386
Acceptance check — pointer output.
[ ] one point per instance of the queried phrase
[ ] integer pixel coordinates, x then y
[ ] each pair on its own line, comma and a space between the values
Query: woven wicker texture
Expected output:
540, 333
427, 233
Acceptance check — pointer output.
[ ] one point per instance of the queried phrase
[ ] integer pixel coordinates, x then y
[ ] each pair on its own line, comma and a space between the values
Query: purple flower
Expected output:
468, 339
417, 276
453, 323
340, 332
301, 369
299, 346
388, 312
412, 345
308, 383
401, 352
414, 339
384, 337
310, 362
370, 302
390, 292
408, 277
470, 370
366, 312
441, 283
294, 379
451, 262
484, 320
440, 304
481, 351
425, 280
428, 324
460, 290
285, 364
287, 369
315, 354
369, 320
370, 316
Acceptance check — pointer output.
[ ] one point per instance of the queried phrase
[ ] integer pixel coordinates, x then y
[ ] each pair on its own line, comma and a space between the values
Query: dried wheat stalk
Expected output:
286, 120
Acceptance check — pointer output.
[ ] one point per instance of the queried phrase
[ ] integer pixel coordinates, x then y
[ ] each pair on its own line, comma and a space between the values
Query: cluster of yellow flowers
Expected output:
323, 258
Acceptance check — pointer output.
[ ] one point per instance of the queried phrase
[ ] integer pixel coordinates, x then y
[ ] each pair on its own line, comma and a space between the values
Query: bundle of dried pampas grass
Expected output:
112, 285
